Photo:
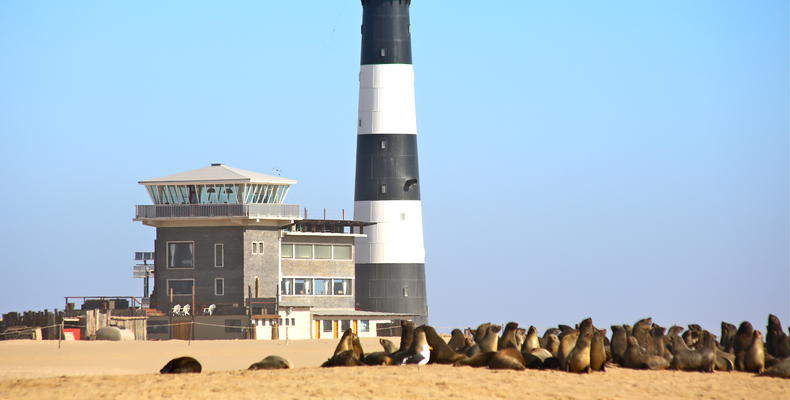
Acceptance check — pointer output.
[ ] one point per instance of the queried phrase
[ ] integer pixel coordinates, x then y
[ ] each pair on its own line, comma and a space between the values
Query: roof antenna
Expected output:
276, 171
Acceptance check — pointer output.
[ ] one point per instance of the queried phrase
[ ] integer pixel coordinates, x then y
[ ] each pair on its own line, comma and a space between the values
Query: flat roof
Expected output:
217, 173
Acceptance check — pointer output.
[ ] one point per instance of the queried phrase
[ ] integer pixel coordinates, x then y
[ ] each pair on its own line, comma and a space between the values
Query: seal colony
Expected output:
582, 348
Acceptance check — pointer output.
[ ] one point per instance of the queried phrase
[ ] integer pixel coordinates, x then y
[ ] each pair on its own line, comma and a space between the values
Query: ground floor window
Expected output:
364, 325
345, 324
219, 286
326, 325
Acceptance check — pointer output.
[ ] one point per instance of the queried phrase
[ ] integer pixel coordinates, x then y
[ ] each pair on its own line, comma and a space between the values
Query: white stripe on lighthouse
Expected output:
397, 235
386, 99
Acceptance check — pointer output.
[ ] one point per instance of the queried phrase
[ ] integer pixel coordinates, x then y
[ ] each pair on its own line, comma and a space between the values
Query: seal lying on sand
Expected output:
686, 359
181, 365
507, 358
348, 352
780, 370
272, 362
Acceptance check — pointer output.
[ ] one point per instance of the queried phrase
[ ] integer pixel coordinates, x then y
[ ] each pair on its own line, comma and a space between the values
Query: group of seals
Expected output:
579, 349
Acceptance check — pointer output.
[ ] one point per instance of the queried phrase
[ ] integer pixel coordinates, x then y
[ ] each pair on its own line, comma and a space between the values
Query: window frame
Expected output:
221, 254
217, 280
257, 247
179, 279
167, 253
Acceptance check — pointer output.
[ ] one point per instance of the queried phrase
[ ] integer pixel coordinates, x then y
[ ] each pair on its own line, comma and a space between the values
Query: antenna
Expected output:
276, 171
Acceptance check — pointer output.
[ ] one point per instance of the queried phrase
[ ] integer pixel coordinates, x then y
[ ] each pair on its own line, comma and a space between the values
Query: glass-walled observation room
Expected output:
217, 193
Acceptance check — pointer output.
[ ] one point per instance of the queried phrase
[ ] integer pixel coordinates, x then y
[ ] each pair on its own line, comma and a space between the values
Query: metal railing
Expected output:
289, 211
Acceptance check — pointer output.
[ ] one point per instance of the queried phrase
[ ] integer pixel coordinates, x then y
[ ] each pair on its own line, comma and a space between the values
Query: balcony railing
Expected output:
267, 211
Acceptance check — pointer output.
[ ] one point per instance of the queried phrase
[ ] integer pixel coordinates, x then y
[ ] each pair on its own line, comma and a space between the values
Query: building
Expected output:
242, 262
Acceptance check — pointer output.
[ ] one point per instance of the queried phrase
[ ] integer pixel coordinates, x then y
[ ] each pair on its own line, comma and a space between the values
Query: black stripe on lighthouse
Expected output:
386, 32
387, 168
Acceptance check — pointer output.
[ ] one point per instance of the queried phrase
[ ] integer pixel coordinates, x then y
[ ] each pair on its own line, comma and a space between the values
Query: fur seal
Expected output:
619, 343
481, 331
181, 365
753, 359
724, 361
579, 358
481, 359
388, 346
777, 343
779, 370
692, 335
377, 358
727, 336
641, 331
507, 358
553, 344
741, 343
457, 340
348, 352
272, 362
567, 343
508, 339
658, 348
441, 353
598, 351
420, 352
406, 339
531, 340
490, 339
635, 358
521, 337
686, 359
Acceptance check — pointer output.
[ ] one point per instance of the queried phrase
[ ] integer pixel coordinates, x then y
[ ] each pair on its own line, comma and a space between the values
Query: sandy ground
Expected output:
129, 370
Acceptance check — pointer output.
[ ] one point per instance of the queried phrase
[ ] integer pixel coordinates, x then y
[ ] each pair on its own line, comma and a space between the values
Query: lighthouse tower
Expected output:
390, 261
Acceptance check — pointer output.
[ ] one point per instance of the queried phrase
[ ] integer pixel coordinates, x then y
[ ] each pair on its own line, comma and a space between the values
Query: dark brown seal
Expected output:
687, 359
619, 343
636, 358
598, 350
457, 340
727, 339
777, 342
181, 365
508, 339
780, 370
507, 358
753, 359
441, 353
272, 362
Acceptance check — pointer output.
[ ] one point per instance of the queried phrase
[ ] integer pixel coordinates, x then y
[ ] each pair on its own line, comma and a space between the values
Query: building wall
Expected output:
263, 266
204, 272
304, 268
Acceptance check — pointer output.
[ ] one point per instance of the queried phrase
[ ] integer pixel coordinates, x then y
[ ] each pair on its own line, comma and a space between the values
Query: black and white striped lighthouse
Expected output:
390, 261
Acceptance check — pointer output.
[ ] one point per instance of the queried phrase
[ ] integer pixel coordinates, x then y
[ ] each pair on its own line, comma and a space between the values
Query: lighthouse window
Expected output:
383, 52
383, 144
383, 189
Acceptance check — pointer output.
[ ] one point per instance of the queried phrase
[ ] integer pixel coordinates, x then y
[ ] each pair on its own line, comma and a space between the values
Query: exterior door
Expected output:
317, 329
354, 326
334, 329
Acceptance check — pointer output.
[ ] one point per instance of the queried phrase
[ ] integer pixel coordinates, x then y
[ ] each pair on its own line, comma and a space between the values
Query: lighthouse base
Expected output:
392, 287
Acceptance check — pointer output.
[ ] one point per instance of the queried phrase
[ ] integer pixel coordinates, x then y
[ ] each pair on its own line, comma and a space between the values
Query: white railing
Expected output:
289, 211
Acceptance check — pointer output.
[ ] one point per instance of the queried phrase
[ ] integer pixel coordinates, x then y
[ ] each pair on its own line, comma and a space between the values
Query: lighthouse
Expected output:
390, 260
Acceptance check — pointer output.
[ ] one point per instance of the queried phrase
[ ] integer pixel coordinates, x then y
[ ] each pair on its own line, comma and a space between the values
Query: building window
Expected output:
322, 286
257, 247
287, 251
345, 324
219, 286
180, 254
323, 251
286, 286
364, 325
326, 325
341, 252
219, 255
304, 251
341, 286
302, 286
180, 287
232, 326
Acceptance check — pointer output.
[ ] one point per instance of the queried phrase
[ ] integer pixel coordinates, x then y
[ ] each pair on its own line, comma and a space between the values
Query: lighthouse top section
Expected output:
218, 184
386, 32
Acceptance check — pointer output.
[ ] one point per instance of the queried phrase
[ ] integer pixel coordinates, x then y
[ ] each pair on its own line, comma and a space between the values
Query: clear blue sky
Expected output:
613, 159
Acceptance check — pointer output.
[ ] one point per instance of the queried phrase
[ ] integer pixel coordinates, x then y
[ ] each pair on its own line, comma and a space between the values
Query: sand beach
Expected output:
129, 370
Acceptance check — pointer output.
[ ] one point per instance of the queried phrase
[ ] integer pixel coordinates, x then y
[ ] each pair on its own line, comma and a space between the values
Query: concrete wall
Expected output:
206, 327
204, 271
263, 266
